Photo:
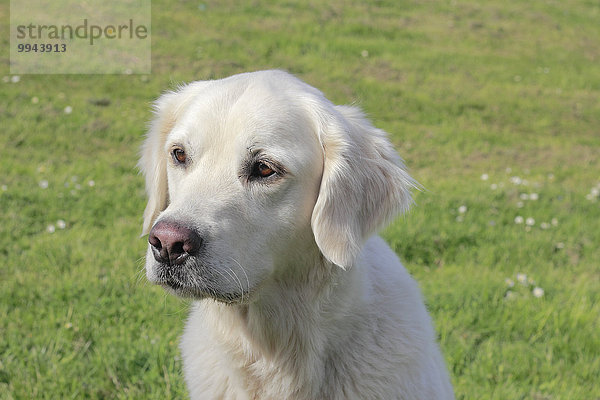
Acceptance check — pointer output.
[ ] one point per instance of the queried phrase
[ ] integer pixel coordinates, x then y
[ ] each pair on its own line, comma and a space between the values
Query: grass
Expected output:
465, 89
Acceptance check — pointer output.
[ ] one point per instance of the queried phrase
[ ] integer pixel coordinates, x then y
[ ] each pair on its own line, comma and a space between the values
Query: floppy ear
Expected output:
153, 161
364, 185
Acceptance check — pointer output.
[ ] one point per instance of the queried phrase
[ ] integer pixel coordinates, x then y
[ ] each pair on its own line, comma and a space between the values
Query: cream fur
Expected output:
298, 299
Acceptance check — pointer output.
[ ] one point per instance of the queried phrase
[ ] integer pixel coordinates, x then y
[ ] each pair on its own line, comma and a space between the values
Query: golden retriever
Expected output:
263, 202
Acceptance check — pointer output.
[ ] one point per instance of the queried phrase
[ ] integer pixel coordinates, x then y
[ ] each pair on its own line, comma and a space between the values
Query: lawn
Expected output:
495, 106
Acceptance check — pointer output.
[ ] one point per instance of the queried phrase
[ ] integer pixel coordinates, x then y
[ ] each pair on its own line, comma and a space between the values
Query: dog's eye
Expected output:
179, 155
261, 169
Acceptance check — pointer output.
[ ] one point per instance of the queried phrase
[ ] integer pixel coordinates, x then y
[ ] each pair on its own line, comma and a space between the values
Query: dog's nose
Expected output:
173, 243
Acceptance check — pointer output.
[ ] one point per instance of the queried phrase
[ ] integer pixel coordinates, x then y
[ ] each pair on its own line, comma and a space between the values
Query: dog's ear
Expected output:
153, 160
364, 185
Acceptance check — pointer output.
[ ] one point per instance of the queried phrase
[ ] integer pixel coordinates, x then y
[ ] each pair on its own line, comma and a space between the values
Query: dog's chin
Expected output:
192, 292
183, 291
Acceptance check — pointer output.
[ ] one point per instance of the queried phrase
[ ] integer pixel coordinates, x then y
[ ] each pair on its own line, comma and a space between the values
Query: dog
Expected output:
264, 200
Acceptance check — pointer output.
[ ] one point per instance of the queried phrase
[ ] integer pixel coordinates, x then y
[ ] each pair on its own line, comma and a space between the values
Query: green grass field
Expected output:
495, 107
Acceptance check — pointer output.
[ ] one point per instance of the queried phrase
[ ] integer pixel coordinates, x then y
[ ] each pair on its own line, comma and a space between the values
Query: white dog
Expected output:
263, 197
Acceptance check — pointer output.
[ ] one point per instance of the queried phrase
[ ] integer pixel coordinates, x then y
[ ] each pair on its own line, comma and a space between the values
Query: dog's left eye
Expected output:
261, 169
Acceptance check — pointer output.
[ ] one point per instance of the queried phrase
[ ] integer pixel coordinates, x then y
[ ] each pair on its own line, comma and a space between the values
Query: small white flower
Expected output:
91, 183
15, 78
559, 245
545, 225
520, 204
522, 278
485, 177
516, 180
61, 224
35, 100
530, 221
524, 196
493, 186
459, 218
510, 295
43, 184
509, 282
4, 188
590, 197
77, 186
519, 219
50, 228
6, 79
595, 191
68, 110
462, 209
364, 53
74, 178
554, 222
534, 196
538, 292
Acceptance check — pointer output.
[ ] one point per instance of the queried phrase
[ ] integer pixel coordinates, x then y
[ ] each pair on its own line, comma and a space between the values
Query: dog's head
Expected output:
254, 174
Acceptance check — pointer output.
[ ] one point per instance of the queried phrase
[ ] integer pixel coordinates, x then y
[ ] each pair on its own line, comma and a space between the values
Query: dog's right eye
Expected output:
179, 155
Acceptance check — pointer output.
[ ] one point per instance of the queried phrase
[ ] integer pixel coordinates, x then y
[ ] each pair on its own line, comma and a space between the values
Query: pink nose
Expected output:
173, 243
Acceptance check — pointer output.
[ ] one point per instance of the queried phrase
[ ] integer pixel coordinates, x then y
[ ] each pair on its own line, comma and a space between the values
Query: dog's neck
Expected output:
290, 325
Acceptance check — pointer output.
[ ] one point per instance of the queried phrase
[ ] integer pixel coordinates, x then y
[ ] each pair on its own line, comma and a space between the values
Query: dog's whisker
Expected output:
245, 275
231, 276
141, 272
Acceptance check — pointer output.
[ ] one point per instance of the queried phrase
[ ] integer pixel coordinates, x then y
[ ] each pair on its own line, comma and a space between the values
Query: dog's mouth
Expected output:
172, 284
180, 286
181, 290
196, 287
193, 293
